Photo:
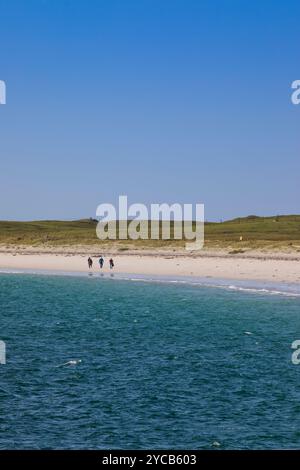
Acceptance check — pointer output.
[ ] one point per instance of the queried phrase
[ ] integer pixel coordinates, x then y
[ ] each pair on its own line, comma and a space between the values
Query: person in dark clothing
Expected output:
101, 262
111, 263
90, 262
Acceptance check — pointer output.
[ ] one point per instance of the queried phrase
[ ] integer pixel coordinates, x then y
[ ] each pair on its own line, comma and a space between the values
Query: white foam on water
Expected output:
255, 287
70, 363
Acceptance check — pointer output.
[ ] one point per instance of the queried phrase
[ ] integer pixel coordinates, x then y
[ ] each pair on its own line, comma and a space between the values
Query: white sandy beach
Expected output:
267, 268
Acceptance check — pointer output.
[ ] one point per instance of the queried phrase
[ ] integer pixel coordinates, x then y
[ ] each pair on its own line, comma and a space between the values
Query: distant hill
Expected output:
275, 231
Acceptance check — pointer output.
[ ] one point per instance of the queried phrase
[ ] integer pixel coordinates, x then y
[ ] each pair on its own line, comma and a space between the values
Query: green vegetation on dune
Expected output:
256, 232
48, 232
279, 228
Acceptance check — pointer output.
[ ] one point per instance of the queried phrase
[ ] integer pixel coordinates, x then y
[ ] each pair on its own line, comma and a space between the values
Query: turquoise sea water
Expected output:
164, 365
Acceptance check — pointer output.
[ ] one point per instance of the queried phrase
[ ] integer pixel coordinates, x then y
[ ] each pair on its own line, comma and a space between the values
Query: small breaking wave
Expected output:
252, 287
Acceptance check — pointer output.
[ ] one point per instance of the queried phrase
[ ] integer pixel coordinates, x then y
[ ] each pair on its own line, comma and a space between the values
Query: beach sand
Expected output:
261, 267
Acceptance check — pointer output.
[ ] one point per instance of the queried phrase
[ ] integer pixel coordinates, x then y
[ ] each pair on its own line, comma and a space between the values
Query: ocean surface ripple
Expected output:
99, 364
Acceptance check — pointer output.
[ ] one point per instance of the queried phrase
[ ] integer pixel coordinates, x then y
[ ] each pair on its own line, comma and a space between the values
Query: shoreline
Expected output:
233, 285
206, 266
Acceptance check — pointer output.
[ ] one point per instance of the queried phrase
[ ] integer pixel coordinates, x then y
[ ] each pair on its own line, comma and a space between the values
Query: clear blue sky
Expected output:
162, 100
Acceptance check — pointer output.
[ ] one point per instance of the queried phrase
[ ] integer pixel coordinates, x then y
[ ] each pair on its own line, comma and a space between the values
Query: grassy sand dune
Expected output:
269, 249
278, 233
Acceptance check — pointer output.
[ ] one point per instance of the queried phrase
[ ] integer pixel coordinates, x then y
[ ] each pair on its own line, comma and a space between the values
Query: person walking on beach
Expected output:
111, 263
90, 262
101, 262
